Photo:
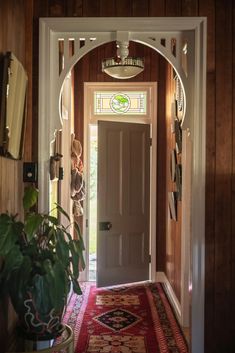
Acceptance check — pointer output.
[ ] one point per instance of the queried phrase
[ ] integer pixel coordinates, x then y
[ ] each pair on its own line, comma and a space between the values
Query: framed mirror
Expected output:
13, 87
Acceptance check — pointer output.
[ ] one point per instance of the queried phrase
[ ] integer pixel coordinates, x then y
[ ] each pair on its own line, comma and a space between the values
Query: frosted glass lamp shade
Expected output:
129, 68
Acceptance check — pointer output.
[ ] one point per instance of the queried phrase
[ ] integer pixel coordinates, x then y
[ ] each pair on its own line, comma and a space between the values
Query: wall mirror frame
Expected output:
158, 34
13, 87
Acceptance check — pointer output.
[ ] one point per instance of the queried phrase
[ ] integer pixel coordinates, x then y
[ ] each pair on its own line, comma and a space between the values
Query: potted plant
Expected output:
40, 261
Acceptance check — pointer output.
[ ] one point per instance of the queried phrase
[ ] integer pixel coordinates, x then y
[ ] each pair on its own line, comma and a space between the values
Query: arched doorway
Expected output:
182, 42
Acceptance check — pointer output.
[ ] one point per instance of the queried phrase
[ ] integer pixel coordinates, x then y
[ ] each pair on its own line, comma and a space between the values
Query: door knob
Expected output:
105, 225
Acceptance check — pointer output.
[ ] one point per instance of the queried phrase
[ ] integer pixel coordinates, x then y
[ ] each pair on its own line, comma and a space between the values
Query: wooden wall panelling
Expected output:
170, 241
154, 63
13, 28
146, 54
233, 181
173, 8
207, 8
176, 226
57, 8
105, 51
139, 8
137, 49
123, 8
29, 70
223, 176
15, 36
177, 234
162, 203
173, 229
107, 8
100, 57
74, 8
189, 7
11, 20
40, 9
94, 65
109, 50
3, 5
91, 8
16, 24
156, 8
81, 75
78, 104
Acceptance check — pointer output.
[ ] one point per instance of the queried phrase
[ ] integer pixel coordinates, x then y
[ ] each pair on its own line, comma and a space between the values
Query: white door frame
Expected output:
151, 119
159, 34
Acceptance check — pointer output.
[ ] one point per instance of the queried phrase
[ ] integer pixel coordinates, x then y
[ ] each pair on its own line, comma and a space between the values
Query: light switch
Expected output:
30, 172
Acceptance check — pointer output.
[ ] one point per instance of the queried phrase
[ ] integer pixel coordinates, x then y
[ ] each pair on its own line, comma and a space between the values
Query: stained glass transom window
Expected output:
125, 102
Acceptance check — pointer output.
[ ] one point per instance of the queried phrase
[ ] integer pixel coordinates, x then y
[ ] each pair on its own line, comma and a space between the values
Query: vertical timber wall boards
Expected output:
173, 196
16, 36
220, 145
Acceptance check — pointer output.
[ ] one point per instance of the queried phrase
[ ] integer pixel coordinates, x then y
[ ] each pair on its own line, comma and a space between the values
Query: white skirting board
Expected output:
161, 277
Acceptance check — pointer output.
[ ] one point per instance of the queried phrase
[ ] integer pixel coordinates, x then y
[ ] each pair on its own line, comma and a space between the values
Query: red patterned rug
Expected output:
124, 319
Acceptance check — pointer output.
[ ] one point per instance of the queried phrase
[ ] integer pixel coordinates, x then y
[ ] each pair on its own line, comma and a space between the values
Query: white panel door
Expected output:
123, 202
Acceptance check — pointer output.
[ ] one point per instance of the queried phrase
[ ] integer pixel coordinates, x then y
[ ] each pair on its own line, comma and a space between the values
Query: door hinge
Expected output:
150, 141
87, 223
149, 259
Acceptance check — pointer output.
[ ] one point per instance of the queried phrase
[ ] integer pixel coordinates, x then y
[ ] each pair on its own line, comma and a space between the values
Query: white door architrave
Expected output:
182, 41
151, 119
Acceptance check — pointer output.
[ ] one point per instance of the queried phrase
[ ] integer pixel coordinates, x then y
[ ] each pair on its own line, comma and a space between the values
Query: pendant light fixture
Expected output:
122, 67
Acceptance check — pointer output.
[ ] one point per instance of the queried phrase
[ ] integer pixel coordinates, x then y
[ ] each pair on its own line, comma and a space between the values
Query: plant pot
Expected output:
36, 324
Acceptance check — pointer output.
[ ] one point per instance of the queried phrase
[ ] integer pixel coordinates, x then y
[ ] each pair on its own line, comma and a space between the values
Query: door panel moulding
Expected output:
159, 34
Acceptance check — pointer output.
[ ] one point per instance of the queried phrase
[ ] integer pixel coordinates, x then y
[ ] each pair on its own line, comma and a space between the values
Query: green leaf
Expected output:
76, 226
18, 283
50, 278
74, 259
52, 219
9, 233
61, 210
25, 270
52, 237
80, 249
76, 287
41, 294
12, 262
62, 249
61, 285
30, 197
47, 264
32, 223
67, 233
31, 249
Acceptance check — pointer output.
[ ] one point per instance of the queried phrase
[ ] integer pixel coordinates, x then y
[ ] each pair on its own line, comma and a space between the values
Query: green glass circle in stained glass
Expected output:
120, 103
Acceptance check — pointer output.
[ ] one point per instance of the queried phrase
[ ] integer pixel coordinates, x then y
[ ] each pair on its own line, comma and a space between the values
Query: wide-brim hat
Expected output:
76, 146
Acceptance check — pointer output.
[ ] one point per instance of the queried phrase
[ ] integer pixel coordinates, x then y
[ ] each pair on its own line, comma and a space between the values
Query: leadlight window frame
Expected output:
91, 87
134, 102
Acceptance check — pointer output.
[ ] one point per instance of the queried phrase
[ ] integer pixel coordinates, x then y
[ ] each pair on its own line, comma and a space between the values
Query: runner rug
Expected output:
124, 319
